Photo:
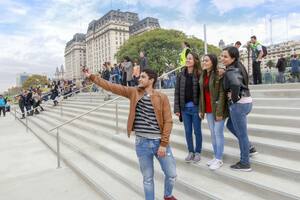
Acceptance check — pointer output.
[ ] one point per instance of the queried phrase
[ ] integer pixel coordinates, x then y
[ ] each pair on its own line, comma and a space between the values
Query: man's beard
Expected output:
141, 86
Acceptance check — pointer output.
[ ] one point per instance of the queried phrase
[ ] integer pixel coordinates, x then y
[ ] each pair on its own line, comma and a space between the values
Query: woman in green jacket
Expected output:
212, 103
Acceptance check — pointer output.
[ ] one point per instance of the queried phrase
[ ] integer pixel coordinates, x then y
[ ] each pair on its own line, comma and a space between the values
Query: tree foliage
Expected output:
35, 81
162, 48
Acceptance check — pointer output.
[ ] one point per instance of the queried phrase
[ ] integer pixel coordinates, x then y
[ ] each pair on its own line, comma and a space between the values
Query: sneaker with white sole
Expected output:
190, 157
210, 162
197, 157
216, 165
241, 167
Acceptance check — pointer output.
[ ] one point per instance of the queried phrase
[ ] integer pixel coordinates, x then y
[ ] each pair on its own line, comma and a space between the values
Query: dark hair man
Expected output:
257, 54
151, 119
238, 44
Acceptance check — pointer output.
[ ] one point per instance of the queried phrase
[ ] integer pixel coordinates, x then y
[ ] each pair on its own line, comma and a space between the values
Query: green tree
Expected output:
270, 64
34, 81
162, 47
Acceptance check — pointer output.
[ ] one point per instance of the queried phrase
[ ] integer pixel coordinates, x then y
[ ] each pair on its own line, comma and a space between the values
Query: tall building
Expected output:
21, 78
102, 41
147, 24
75, 56
221, 44
106, 35
285, 48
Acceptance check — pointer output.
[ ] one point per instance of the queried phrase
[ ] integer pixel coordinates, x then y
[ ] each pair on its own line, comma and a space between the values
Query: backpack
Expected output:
265, 51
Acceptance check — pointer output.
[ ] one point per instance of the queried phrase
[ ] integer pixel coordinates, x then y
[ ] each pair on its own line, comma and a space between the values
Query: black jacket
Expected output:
22, 101
281, 64
143, 63
179, 96
236, 82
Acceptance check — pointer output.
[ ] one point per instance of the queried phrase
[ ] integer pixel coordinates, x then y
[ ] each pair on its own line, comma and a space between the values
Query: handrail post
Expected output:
61, 108
15, 113
160, 83
90, 96
117, 118
26, 123
58, 148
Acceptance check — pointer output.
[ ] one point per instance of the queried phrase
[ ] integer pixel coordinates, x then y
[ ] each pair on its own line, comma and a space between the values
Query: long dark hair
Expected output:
234, 53
214, 60
197, 68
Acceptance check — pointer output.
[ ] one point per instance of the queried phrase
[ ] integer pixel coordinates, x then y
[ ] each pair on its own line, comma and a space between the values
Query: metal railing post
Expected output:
61, 108
15, 113
58, 148
26, 123
160, 83
117, 118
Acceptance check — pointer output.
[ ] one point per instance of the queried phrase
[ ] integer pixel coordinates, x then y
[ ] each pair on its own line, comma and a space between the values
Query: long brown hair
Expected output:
197, 65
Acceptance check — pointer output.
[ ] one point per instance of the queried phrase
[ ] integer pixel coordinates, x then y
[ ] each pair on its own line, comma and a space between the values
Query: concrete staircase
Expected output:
108, 163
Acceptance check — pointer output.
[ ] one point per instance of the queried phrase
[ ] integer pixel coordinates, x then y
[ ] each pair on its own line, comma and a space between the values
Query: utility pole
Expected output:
205, 40
271, 31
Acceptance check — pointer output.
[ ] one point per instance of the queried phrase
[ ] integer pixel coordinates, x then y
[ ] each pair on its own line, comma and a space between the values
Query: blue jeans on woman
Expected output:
217, 135
146, 150
191, 119
237, 124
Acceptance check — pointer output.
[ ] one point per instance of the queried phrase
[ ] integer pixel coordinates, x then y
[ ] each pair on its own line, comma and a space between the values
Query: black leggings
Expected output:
2, 108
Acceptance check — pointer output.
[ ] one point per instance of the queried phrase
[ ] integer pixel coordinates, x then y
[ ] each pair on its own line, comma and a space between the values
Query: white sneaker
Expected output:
216, 165
210, 162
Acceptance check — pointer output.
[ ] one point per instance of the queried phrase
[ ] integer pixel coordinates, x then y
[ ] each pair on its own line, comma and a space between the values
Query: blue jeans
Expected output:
217, 135
190, 117
281, 78
146, 150
237, 124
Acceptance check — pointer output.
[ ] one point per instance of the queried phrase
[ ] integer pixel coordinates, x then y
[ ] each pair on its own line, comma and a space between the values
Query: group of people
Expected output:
203, 89
30, 100
65, 88
126, 73
282, 65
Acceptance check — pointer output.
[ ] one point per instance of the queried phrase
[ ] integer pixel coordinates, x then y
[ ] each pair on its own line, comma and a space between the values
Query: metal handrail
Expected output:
78, 90
60, 100
166, 74
85, 113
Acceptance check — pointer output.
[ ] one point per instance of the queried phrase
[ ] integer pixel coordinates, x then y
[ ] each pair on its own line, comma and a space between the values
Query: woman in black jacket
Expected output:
240, 103
186, 105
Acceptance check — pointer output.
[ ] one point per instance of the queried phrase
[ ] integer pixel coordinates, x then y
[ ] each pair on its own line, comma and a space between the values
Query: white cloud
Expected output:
224, 6
231, 32
39, 46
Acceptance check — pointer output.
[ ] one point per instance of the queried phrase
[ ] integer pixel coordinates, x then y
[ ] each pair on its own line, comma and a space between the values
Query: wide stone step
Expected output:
96, 129
125, 170
276, 126
93, 172
285, 149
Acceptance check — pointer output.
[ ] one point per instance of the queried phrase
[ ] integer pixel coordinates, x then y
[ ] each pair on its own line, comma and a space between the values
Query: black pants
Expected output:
29, 110
256, 73
2, 108
22, 108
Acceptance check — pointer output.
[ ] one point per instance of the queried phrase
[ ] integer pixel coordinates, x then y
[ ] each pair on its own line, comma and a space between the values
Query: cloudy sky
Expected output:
33, 33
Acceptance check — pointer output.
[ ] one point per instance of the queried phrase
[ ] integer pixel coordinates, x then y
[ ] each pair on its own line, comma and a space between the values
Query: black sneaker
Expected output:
241, 167
252, 151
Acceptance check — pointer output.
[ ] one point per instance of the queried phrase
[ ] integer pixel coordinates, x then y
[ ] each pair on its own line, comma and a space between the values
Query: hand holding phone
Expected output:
86, 72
